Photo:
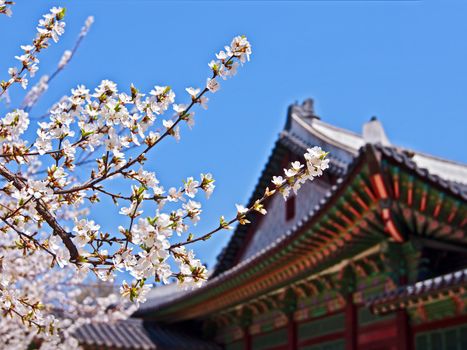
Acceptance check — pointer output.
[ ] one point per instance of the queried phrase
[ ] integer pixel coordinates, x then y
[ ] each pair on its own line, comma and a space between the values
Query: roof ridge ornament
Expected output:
373, 132
306, 110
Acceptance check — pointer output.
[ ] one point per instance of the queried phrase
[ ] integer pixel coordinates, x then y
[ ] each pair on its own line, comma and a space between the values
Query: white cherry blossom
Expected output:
95, 145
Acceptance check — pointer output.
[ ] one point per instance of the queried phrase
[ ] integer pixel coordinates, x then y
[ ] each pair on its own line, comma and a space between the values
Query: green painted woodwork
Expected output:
454, 338
317, 311
318, 299
372, 285
348, 281
289, 303
246, 317
412, 258
333, 345
432, 200
402, 261
437, 310
269, 340
323, 326
238, 345
266, 316
366, 317
434, 195
267, 320
267, 327
440, 309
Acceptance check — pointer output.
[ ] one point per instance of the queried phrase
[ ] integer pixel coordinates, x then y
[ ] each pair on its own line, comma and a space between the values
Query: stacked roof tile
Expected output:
135, 334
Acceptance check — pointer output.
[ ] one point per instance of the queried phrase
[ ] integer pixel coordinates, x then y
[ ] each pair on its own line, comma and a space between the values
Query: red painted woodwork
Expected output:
378, 184
247, 339
448, 322
281, 347
393, 231
404, 341
292, 334
379, 336
322, 339
351, 324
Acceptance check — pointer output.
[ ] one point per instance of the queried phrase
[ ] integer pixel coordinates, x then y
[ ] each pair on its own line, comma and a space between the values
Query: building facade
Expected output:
372, 255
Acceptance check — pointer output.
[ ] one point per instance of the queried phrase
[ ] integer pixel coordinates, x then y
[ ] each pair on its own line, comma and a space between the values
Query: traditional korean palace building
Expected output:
372, 255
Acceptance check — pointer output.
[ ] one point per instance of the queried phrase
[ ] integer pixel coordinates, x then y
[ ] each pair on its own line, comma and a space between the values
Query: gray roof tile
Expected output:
135, 334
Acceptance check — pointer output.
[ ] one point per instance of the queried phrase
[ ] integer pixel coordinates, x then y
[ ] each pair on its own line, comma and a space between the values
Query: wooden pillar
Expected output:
247, 339
292, 342
351, 324
404, 339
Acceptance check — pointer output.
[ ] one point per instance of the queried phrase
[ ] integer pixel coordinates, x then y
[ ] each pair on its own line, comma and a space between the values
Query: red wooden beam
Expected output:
389, 225
378, 185
322, 339
393, 231
359, 200
437, 209
423, 201
396, 186
438, 324
353, 210
410, 194
453, 213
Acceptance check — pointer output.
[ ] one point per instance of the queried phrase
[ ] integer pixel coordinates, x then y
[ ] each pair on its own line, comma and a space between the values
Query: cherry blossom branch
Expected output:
51, 26
30, 238
281, 186
33, 96
45, 214
14, 212
170, 130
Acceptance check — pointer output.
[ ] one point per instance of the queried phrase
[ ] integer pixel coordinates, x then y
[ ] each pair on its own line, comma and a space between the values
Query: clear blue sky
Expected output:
404, 61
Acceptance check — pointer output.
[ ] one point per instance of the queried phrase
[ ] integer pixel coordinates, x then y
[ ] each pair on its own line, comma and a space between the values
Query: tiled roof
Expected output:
134, 334
160, 295
420, 289
449, 170
444, 173
286, 142
405, 159
129, 334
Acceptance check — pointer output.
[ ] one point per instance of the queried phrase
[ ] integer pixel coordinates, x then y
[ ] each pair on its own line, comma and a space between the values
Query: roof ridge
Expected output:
338, 128
438, 158
309, 127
